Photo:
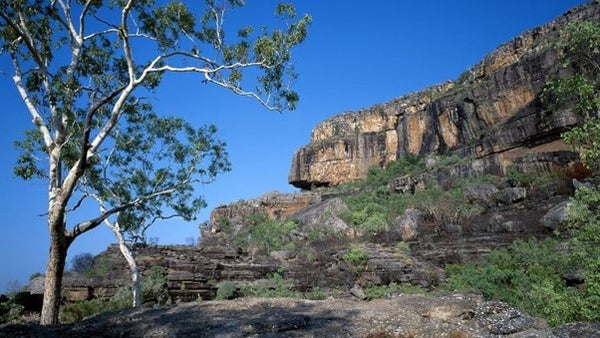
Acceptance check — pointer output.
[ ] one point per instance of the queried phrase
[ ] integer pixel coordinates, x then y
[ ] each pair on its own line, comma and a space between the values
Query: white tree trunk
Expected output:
136, 285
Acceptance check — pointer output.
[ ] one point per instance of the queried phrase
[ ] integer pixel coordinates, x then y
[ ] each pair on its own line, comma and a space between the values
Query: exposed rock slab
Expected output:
444, 315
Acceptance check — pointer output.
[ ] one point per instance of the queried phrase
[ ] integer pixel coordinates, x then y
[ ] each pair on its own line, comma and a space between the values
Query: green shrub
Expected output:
403, 247
100, 267
381, 291
280, 288
154, 290
226, 290
314, 294
264, 233
154, 286
528, 275
10, 311
356, 256
518, 178
75, 312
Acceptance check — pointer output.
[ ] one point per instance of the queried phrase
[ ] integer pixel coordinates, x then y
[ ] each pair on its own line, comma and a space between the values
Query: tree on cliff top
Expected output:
82, 66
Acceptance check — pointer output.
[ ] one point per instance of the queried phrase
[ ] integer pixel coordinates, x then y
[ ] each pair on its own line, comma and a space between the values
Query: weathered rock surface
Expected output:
195, 272
275, 205
495, 114
445, 315
578, 330
557, 216
410, 224
323, 213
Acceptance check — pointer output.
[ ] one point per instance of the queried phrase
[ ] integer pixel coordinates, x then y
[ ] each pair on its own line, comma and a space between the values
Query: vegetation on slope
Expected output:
560, 282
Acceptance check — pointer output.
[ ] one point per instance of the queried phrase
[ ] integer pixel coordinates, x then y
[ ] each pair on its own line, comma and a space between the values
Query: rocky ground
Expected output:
401, 315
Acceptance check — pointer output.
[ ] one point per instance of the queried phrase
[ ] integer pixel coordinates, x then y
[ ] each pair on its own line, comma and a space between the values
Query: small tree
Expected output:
79, 69
82, 262
157, 160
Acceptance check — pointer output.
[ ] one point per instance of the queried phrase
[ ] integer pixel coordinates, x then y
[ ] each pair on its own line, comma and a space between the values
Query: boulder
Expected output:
358, 292
557, 216
336, 223
480, 193
323, 213
578, 330
501, 319
510, 195
409, 224
282, 255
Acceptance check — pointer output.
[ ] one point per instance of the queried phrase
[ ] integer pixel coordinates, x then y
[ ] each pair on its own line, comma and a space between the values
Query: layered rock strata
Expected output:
493, 112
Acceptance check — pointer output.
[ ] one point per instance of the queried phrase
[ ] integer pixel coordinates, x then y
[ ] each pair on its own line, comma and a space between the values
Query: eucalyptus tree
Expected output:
157, 161
80, 65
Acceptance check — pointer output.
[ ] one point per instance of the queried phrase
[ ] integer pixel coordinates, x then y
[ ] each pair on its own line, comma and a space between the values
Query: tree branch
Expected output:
91, 224
37, 118
28, 41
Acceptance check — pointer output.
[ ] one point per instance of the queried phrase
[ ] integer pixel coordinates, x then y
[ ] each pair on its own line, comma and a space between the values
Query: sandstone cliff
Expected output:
492, 112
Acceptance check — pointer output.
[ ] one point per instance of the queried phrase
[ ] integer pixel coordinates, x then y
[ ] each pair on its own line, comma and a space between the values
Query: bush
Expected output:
100, 267
154, 290
154, 286
530, 179
226, 290
528, 275
381, 291
10, 311
314, 294
356, 256
280, 288
75, 312
264, 233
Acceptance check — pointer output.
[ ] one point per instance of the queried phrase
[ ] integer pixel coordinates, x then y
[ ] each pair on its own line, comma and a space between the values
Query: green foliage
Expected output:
408, 164
522, 275
100, 267
403, 247
9, 311
264, 233
518, 178
154, 286
576, 89
315, 293
154, 290
356, 256
374, 207
76, 312
530, 274
226, 290
279, 287
585, 139
381, 291
580, 49
580, 45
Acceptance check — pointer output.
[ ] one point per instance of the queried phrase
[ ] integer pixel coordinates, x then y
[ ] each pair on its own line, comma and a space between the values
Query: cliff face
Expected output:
493, 112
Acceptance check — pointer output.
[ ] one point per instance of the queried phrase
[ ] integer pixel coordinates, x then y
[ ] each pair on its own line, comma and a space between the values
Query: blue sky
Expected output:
355, 56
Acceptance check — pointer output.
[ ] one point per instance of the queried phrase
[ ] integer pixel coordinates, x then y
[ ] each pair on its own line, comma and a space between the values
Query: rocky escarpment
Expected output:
493, 112
194, 273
